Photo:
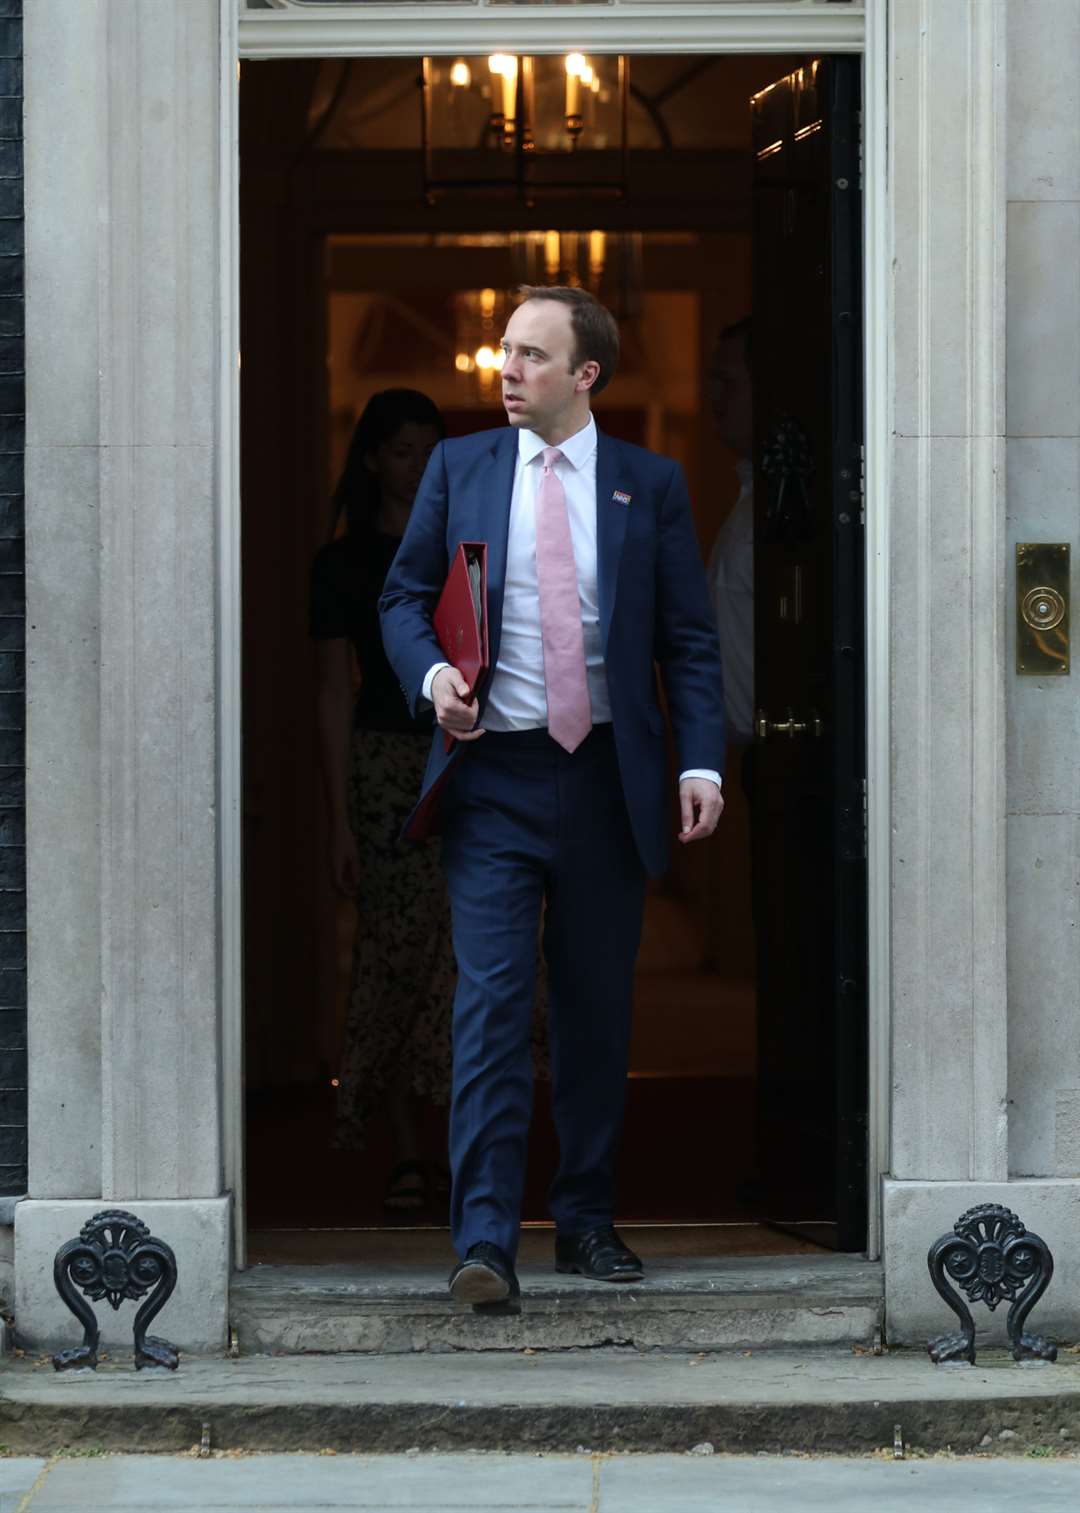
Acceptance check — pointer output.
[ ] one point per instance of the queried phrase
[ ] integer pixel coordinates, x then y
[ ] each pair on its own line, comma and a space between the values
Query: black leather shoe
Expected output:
599, 1254
486, 1279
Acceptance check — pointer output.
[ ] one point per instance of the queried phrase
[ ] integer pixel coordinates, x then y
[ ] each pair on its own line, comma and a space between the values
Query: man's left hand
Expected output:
702, 805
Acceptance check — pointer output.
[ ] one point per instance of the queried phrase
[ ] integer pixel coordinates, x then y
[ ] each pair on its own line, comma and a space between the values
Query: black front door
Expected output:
809, 751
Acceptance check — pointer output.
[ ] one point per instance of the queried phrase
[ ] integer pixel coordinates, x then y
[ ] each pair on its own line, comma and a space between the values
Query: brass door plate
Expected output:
1042, 608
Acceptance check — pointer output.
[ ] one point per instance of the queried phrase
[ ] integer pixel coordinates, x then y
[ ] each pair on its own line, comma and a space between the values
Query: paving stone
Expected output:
739, 1485
531, 1484
17, 1476
316, 1481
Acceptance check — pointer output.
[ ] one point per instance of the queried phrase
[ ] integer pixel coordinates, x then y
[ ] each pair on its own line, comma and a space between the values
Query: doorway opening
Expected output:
352, 283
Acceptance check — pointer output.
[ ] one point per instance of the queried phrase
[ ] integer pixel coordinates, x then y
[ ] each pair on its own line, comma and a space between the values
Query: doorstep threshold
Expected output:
698, 1302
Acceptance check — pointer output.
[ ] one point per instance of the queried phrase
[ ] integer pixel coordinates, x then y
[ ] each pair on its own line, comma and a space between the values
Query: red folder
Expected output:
460, 620
461, 626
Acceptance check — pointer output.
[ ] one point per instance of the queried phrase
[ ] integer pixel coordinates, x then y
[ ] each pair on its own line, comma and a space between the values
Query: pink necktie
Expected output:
569, 710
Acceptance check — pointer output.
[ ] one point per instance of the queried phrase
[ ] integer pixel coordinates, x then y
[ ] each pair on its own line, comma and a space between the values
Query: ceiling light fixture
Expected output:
524, 124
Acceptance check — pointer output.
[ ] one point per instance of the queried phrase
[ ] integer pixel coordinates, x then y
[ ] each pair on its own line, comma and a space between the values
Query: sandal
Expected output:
400, 1192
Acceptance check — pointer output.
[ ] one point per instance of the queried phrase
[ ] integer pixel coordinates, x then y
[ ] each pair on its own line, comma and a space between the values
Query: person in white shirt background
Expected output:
730, 571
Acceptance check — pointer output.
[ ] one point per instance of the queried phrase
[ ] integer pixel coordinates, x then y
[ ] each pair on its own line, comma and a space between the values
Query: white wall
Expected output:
1043, 472
986, 1040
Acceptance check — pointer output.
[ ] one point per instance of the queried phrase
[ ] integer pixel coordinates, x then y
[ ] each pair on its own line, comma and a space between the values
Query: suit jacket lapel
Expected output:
611, 519
495, 511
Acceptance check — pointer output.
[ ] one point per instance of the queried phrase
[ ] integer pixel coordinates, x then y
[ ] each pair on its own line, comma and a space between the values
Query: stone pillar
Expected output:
951, 652
123, 337
949, 1036
161, 1113
947, 97
64, 358
1044, 501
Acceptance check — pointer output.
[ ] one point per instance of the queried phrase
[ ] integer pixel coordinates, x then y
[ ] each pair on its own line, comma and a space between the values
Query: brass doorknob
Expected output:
791, 727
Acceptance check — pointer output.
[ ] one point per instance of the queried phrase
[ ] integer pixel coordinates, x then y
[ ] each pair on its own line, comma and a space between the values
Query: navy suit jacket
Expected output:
654, 607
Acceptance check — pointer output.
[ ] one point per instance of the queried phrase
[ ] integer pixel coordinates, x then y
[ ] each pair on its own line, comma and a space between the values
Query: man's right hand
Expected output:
455, 709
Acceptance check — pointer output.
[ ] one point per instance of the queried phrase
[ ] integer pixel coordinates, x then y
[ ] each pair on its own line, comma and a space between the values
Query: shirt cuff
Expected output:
429, 678
703, 772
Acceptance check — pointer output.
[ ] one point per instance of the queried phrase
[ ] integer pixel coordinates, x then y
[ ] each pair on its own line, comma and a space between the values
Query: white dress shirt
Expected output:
517, 698
731, 584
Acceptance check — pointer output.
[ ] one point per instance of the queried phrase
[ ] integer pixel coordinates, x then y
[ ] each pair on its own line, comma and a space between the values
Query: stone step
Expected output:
699, 1303
549, 1403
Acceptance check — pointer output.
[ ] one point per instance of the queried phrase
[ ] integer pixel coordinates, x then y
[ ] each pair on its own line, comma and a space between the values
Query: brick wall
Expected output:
12, 614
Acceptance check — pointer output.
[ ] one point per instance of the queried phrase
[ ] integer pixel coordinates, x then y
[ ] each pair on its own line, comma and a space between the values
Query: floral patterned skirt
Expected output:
401, 990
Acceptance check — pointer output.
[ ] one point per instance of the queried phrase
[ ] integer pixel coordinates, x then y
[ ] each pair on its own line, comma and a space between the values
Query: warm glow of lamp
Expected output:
515, 122
463, 362
576, 64
597, 250
552, 253
485, 358
509, 83
505, 66
487, 302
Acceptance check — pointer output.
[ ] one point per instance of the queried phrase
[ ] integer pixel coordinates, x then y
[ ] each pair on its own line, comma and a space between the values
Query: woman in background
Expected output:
397, 1028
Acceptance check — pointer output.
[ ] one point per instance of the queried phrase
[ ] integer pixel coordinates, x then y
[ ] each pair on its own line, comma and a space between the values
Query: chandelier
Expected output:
607, 264
479, 318
527, 125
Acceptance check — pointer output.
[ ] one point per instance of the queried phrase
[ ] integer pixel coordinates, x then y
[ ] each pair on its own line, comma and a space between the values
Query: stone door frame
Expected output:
132, 577
414, 29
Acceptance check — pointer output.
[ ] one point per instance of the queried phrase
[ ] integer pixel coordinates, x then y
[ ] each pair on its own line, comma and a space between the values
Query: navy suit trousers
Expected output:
532, 831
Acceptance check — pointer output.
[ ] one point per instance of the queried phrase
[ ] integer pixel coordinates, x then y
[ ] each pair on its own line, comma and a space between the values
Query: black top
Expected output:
347, 578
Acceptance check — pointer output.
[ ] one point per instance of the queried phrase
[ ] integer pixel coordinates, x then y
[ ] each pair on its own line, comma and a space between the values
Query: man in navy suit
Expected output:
556, 801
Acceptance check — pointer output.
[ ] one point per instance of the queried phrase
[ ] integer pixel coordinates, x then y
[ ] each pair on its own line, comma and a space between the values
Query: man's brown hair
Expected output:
596, 333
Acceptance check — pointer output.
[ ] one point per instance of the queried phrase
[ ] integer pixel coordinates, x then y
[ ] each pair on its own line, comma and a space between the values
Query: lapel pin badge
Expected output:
620, 498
